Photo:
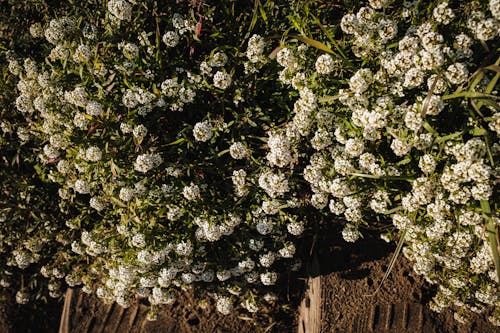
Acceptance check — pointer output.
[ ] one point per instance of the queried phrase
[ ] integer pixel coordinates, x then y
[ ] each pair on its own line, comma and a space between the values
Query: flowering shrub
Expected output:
399, 135
189, 154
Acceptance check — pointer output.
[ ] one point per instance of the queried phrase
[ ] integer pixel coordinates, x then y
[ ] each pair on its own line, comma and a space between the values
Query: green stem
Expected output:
469, 94
492, 231
392, 263
364, 175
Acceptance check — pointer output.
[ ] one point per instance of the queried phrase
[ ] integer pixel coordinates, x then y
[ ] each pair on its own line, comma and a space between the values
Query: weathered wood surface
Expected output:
310, 307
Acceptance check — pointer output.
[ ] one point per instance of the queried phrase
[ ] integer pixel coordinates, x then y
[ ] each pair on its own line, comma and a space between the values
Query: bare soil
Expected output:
350, 274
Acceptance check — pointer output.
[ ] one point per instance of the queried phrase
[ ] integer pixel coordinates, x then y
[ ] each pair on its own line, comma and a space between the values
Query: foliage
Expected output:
192, 153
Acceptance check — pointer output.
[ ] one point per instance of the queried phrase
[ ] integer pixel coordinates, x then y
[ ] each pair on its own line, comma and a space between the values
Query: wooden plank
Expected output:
310, 307
64, 325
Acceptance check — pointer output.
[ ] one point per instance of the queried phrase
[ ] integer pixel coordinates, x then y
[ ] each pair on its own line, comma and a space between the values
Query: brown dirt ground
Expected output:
350, 273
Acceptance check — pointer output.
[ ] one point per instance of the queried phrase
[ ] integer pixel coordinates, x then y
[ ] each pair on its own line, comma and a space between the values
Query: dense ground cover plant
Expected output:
396, 137
32, 234
147, 149
189, 153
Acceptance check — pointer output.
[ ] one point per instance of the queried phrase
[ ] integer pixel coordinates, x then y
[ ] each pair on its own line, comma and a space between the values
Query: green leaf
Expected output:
393, 261
492, 231
404, 161
469, 94
478, 131
176, 142
429, 128
117, 202
223, 152
314, 43
263, 14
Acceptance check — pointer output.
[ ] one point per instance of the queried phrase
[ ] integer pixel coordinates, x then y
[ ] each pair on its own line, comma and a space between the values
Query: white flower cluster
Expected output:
239, 182
238, 151
255, 54
93, 154
325, 64
274, 184
146, 162
222, 80
203, 131
171, 38
121, 9
395, 103
279, 150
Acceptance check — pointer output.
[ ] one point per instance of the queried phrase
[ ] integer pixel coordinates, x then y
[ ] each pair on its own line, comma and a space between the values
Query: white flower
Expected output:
97, 203
274, 184
94, 108
129, 50
267, 259
268, 278
224, 305
287, 251
319, 200
138, 240
239, 182
223, 275
322, 139
354, 147
171, 38
486, 29
442, 13
325, 64
59, 29
222, 80
184, 248
295, 228
140, 132
50, 151
93, 154
378, 4
36, 30
203, 131
146, 162
387, 30
379, 202
77, 96
121, 9
238, 151
126, 194
457, 73
349, 24
255, 49
495, 8
219, 59
286, 58
350, 233
414, 77
22, 297
170, 87
264, 226
361, 80
82, 54
82, 187
250, 305
427, 163
279, 147
191, 192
